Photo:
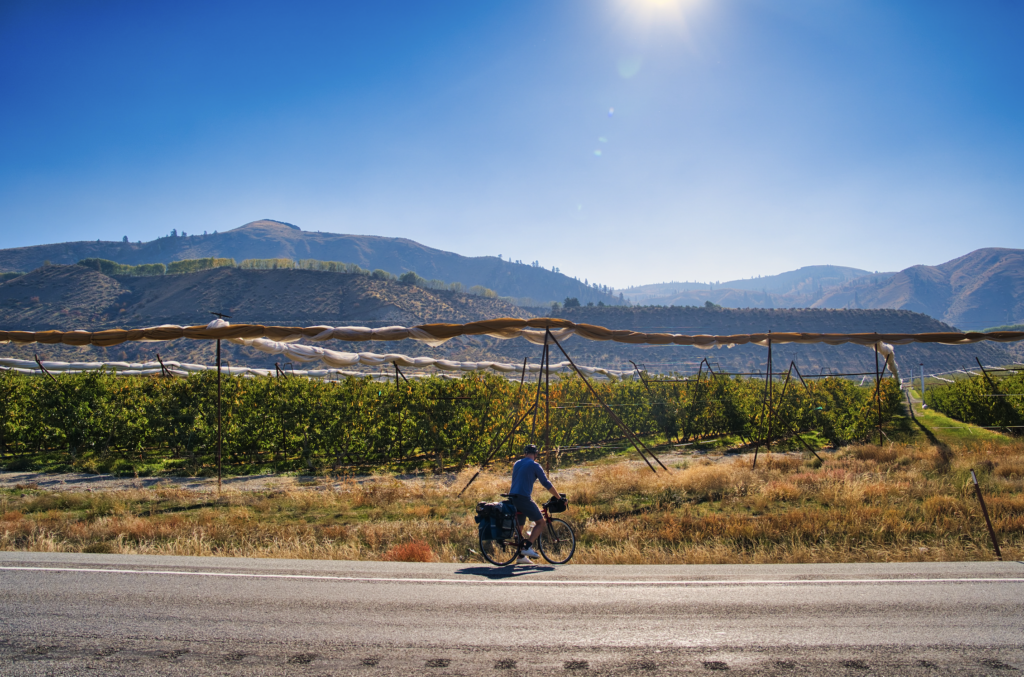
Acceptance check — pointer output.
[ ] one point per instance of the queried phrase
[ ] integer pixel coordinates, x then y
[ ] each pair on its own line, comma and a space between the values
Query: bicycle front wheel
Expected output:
558, 543
499, 553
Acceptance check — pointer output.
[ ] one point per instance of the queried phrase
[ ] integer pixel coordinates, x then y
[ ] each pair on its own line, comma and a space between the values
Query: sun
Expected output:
659, 10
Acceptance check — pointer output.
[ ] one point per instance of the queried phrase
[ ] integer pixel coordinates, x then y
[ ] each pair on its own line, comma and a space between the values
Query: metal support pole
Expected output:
398, 399
984, 511
765, 404
536, 401
691, 410
618, 421
774, 410
163, 369
771, 389
547, 404
642, 379
218, 419
878, 395
45, 371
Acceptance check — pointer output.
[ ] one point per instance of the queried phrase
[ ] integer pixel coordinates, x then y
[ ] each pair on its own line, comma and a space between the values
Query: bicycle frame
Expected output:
519, 529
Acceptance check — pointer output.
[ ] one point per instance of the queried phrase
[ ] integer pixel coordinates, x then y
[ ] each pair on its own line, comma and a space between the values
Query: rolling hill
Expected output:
76, 297
268, 239
981, 289
809, 280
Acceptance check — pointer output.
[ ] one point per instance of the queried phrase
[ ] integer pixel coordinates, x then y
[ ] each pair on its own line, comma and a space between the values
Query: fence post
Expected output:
984, 511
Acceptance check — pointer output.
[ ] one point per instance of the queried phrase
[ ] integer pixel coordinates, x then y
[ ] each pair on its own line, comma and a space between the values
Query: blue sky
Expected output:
625, 141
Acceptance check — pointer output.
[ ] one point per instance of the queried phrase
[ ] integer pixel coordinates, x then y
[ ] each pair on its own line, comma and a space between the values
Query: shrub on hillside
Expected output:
108, 267
267, 264
196, 265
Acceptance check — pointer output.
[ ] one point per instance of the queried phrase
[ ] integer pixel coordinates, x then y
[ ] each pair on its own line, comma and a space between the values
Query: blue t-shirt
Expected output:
524, 472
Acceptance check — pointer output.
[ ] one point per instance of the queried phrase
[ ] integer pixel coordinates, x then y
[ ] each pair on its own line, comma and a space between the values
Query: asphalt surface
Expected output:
63, 614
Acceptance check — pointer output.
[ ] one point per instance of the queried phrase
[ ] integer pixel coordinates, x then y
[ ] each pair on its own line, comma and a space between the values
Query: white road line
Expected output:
520, 581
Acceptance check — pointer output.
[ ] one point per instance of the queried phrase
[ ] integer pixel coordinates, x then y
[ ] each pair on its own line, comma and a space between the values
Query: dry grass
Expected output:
415, 551
865, 504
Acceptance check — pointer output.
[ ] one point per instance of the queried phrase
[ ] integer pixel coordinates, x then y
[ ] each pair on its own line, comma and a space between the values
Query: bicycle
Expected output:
557, 544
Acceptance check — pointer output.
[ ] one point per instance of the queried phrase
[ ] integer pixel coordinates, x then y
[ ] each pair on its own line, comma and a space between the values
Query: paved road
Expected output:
124, 615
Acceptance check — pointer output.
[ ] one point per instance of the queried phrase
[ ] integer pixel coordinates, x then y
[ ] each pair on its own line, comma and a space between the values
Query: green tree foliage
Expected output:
331, 267
104, 422
267, 264
571, 302
412, 278
196, 265
479, 290
108, 267
981, 400
381, 274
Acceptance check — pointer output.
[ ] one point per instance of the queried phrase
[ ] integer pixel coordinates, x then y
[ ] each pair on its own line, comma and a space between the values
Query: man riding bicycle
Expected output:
525, 471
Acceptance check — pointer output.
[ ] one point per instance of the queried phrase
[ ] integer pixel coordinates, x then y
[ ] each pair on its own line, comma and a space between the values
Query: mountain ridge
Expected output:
267, 239
982, 288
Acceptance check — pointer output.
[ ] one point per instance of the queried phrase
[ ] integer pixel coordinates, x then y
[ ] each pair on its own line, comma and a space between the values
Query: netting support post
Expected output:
547, 402
766, 406
219, 439
878, 395
984, 511
398, 396
771, 394
615, 418
536, 400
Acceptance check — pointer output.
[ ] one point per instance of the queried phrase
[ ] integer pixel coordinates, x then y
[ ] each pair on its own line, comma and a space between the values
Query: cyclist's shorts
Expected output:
526, 506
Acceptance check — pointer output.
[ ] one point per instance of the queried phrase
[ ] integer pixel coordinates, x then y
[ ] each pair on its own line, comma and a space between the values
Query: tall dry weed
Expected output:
892, 503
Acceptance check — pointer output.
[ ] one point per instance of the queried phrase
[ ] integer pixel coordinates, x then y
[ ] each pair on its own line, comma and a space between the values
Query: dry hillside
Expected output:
73, 297
273, 239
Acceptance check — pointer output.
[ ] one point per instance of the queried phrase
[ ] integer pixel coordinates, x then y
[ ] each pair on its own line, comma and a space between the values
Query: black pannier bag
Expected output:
495, 520
557, 504
508, 519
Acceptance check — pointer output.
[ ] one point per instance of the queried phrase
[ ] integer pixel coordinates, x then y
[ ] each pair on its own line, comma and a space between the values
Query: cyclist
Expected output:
525, 471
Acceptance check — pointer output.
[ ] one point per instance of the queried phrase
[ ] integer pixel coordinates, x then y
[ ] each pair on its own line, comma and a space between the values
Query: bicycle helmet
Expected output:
530, 449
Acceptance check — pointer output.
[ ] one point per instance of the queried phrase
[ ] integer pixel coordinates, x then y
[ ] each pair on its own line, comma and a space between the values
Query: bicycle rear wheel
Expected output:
501, 552
558, 543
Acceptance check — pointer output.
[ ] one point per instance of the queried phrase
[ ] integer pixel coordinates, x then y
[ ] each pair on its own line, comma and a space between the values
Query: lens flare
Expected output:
597, 153
628, 66
662, 13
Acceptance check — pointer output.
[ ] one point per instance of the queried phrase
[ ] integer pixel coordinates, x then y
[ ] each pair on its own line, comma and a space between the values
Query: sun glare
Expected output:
659, 10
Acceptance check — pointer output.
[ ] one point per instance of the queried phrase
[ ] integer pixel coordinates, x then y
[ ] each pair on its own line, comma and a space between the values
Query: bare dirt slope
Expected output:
74, 297
60, 297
